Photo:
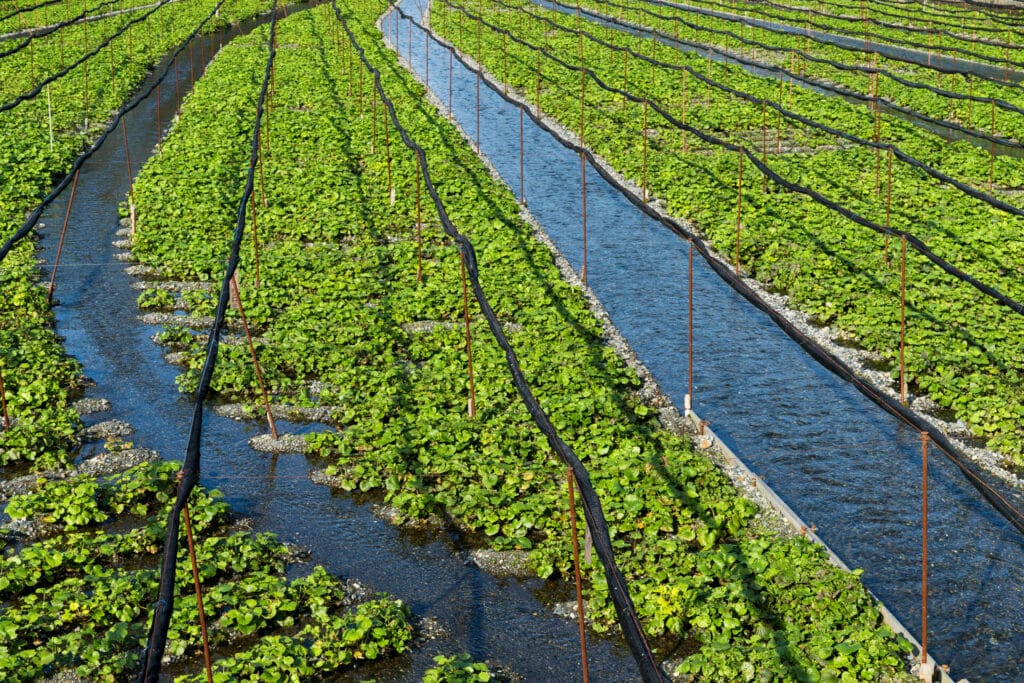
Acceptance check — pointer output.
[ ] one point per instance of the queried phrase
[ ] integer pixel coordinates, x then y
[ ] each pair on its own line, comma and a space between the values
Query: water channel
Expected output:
840, 461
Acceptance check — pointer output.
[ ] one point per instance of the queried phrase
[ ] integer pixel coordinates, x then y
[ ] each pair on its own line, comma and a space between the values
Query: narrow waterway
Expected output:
503, 621
840, 461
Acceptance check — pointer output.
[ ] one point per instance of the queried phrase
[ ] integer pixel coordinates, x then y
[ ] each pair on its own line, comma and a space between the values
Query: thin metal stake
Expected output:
579, 578
419, 229
131, 177
888, 190
583, 197
236, 297
689, 295
644, 135
924, 547
199, 591
3, 401
60, 243
469, 339
992, 150
522, 174
255, 242
903, 319
739, 213
764, 144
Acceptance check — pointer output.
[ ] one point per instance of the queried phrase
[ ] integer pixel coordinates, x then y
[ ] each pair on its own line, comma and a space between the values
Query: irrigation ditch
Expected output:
844, 465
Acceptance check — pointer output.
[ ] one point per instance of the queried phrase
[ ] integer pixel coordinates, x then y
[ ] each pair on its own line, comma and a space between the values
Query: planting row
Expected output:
803, 56
353, 313
962, 350
80, 572
38, 141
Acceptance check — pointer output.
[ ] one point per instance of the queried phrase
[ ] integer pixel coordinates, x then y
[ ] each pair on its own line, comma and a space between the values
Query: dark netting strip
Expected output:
725, 271
824, 85
867, 19
856, 19
839, 90
866, 36
619, 592
33, 218
65, 71
51, 29
991, 12
846, 48
991, 200
26, 10
189, 474
912, 240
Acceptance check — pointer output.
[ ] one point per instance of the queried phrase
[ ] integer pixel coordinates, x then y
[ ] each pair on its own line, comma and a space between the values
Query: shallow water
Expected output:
504, 621
840, 462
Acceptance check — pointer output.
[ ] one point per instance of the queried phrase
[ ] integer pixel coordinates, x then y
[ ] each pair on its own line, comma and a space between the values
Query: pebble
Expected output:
105, 430
502, 563
285, 443
91, 406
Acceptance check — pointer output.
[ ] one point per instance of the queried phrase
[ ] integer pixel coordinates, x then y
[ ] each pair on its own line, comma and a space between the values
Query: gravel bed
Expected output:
105, 430
91, 406
285, 443
501, 563
172, 285
240, 412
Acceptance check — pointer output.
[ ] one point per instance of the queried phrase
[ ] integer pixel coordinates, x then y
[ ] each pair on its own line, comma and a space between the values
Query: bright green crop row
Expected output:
37, 375
79, 600
852, 25
339, 307
972, 115
963, 350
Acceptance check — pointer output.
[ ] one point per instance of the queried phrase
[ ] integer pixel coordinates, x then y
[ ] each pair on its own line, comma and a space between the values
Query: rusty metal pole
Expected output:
583, 198
419, 229
469, 338
764, 144
522, 173
903, 319
643, 134
199, 592
255, 242
236, 297
3, 402
689, 295
992, 150
888, 208
924, 548
131, 177
373, 136
579, 577
387, 152
60, 242
263, 181
739, 213
686, 98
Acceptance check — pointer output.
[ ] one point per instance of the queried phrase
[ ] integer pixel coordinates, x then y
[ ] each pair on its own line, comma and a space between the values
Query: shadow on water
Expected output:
504, 621
840, 461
